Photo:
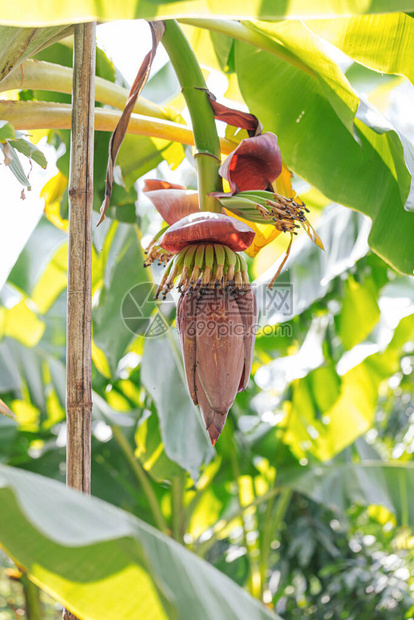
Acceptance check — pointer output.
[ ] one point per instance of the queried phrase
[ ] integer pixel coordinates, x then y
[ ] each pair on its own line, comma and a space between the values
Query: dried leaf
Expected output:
157, 31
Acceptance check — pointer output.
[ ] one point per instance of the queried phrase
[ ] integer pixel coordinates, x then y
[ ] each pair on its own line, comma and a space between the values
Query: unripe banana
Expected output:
238, 202
220, 261
244, 271
188, 264
231, 260
155, 238
198, 264
176, 270
237, 273
252, 194
163, 279
208, 264
189, 256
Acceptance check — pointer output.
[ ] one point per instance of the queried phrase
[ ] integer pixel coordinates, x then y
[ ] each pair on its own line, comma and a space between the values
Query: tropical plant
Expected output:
305, 500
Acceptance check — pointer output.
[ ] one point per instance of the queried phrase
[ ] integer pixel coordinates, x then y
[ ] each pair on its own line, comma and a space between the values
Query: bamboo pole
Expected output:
79, 309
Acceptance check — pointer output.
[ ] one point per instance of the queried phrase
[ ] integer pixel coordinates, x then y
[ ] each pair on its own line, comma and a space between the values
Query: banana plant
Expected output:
321, 120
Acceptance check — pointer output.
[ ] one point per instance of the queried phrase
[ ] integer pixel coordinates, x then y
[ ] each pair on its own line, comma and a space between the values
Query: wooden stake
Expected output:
79, 309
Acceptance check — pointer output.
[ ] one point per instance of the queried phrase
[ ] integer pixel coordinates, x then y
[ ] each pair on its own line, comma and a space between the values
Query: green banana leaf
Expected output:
102, 563
370, 177
42, 13
17, 44
381, 42
338, 485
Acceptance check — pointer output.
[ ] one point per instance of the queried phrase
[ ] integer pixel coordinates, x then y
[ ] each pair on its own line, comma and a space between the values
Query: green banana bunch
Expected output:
215, 265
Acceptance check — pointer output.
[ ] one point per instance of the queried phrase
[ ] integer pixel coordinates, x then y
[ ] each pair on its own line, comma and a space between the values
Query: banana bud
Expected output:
217, 334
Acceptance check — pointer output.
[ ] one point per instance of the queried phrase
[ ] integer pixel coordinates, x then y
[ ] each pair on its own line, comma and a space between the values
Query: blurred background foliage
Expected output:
307, 500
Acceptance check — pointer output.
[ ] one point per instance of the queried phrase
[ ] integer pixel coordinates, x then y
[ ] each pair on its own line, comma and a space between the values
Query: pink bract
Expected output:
254, 165
206, 227
172, 201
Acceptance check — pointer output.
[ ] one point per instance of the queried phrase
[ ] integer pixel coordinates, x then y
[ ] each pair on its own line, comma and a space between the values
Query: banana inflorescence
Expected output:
216, 322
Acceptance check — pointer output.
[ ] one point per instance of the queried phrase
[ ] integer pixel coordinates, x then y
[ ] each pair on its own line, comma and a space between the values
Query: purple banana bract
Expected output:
217, 333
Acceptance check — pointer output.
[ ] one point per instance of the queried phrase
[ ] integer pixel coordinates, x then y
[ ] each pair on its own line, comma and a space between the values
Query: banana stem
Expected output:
272, 527
33, 605
204, 128
46, 115
42, 75
178, 516
254, 574
142, 478
202, 548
